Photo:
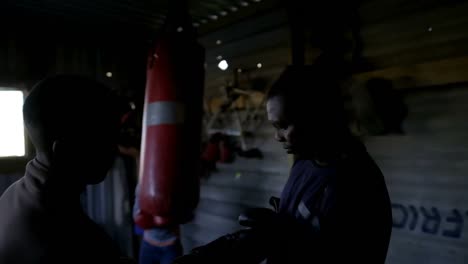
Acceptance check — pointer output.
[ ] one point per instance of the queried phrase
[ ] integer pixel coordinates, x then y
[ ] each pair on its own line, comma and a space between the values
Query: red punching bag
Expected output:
170, 151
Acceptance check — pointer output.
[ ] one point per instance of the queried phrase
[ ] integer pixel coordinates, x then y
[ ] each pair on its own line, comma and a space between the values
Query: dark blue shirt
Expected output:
342, 210
304, 193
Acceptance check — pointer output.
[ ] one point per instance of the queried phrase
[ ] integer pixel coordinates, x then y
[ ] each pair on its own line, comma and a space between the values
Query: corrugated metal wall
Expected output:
109, 204
427, 176
24, 59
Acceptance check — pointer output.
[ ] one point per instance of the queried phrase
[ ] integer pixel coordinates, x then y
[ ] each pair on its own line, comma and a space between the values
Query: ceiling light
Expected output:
223, 65
109, 74
259, 65
219, 57
214, 17
223, 13
234, 8
218, 42
244, 3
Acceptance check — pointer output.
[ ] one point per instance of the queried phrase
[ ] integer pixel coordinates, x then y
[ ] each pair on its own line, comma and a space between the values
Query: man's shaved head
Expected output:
306, 109
73, 118
65, 106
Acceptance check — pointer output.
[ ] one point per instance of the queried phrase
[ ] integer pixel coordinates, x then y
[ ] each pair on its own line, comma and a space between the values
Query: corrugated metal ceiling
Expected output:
206, 14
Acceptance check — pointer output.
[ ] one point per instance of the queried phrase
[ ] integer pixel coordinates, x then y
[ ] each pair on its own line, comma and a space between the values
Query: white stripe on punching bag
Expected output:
164, 113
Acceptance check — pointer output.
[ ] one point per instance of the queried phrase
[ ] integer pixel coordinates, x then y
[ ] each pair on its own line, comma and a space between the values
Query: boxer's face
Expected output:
286, 132
87, 154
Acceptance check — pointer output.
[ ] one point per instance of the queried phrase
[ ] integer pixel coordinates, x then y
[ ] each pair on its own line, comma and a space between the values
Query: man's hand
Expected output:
261, 218
240, 247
